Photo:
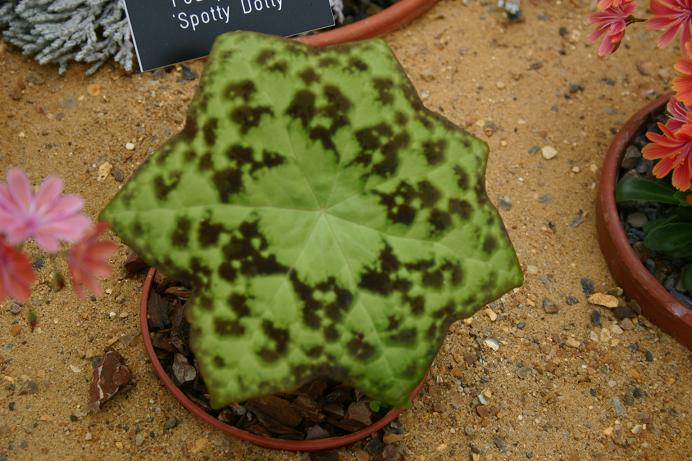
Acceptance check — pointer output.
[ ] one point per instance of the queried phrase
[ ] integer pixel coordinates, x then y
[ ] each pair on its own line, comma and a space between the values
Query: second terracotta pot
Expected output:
657, 304
387, 20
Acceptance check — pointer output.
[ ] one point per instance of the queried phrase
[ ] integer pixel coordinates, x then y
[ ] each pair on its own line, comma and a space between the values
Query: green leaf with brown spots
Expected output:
331, 224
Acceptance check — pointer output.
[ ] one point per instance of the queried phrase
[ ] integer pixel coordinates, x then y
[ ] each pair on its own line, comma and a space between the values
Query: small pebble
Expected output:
118, 174
170, 423
637, 220
595, 318
505, 203
187, 73
94, 89
129, 146
605, 300
587, 286
492, 343
649, 356
619, 409
548, 152
549, 306
104, 171
374, 446
500, 443
571, 342
626, 324
571, 300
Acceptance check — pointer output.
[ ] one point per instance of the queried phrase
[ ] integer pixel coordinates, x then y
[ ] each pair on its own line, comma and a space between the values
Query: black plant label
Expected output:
170, 31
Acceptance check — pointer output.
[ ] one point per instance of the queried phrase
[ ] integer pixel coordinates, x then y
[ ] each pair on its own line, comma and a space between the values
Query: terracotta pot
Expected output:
657, 304
267, 442
387, 20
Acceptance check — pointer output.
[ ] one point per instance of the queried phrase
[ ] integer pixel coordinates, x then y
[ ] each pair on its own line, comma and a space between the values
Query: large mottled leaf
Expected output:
331, 224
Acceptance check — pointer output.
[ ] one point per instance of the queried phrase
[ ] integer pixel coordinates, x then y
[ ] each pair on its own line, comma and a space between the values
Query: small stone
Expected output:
118, 174
637, 219
88, 436
129, 146
27, 387
388, 438
616, 329
533, 270
94, 89
187, 73
649, 356
595, 318
104, 171
571, 342
491, 314
15, 330
500, 443
492, 343
587, 286
505, 203
469, 431
636, 429
15, 308
139, 439
626, 324
549, 306
619, 409
624, 312
605, 300
374, 446
500, 85
170, 423
523, 372
485, 411
631, 158
634, 374
548, 152
571, 300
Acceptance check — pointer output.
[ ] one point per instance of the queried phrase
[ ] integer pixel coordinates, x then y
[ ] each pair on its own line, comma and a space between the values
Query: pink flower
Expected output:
605, 4
673, 15
677, 114
46, 216
88, 260
610, 24
673, 150
16, 274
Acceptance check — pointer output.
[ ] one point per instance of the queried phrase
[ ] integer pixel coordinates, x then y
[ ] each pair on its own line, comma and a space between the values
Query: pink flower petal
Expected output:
19, 187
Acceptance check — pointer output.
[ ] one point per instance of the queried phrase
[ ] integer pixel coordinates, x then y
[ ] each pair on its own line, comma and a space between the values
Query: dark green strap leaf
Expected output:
674, 239
635, 188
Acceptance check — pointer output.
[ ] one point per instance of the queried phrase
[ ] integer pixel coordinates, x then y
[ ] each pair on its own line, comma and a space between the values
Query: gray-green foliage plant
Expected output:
330, 223
60, 31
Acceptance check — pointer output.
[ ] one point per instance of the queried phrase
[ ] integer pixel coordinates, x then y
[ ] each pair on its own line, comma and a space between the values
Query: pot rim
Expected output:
266, 442
656, 302
387, 20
